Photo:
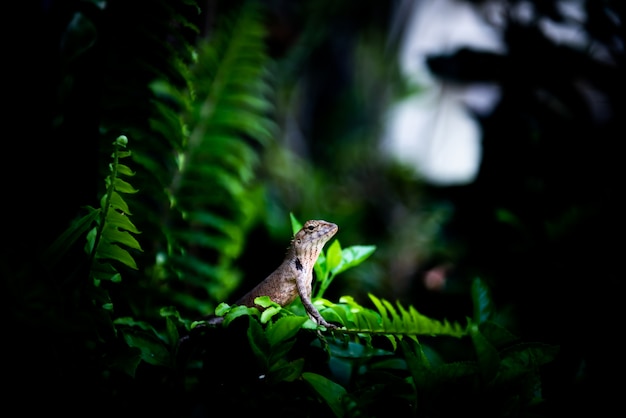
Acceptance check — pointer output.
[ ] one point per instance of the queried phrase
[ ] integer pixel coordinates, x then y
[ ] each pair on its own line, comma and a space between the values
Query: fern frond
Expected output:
393, 322
111, 238
212, 188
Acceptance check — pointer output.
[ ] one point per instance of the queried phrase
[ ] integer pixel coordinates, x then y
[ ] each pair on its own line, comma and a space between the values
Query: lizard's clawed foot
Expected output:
327, 324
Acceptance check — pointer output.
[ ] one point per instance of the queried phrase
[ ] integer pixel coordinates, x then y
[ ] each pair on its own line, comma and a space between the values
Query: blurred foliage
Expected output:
238, 113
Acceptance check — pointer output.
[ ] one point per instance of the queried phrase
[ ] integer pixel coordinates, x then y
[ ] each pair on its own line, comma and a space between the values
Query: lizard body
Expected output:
294, 276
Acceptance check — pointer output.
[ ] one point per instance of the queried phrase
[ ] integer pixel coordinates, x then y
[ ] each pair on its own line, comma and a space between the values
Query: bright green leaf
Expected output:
333, 256
284, 328
268, 313
125, 170
353, 256
114, 235
114, 252
258, 342
287, 371
221, 309
123, 186
237, 311
265, 302
118, 220
123, 154
295, 224
153, 350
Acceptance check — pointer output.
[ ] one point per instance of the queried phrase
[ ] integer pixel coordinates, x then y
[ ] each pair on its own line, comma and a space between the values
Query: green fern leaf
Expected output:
387, 324
392, 322
118, 220
396, 320
118, 203
113, 252
122, 186
114, 226
117, 236
211, 188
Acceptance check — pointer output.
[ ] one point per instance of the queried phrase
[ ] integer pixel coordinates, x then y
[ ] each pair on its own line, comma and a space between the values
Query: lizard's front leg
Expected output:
304, 289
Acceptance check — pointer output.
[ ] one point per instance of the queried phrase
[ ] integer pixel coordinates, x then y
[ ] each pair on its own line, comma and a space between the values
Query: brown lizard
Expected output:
294, 276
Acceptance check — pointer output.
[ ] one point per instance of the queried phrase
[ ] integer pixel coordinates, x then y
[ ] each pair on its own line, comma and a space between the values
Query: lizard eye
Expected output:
311, 227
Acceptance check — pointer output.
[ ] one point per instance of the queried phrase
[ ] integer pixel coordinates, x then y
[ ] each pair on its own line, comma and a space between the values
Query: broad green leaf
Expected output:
284, 328
341, 312
153, 350
237, 311
221, 309
353, 256
295, 224
332, 393
333, 256
287, 371
268, 313
258, 342
320, 269
331, 315
278, 352
265, 302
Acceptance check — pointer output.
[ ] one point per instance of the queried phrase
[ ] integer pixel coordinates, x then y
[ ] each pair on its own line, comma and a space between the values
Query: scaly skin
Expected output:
294, 276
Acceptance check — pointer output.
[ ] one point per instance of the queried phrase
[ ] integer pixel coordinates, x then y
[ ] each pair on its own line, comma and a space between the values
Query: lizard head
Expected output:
311, 238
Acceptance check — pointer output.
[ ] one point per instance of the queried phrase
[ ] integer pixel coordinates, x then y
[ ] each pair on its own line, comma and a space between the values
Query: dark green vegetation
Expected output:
145, 184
